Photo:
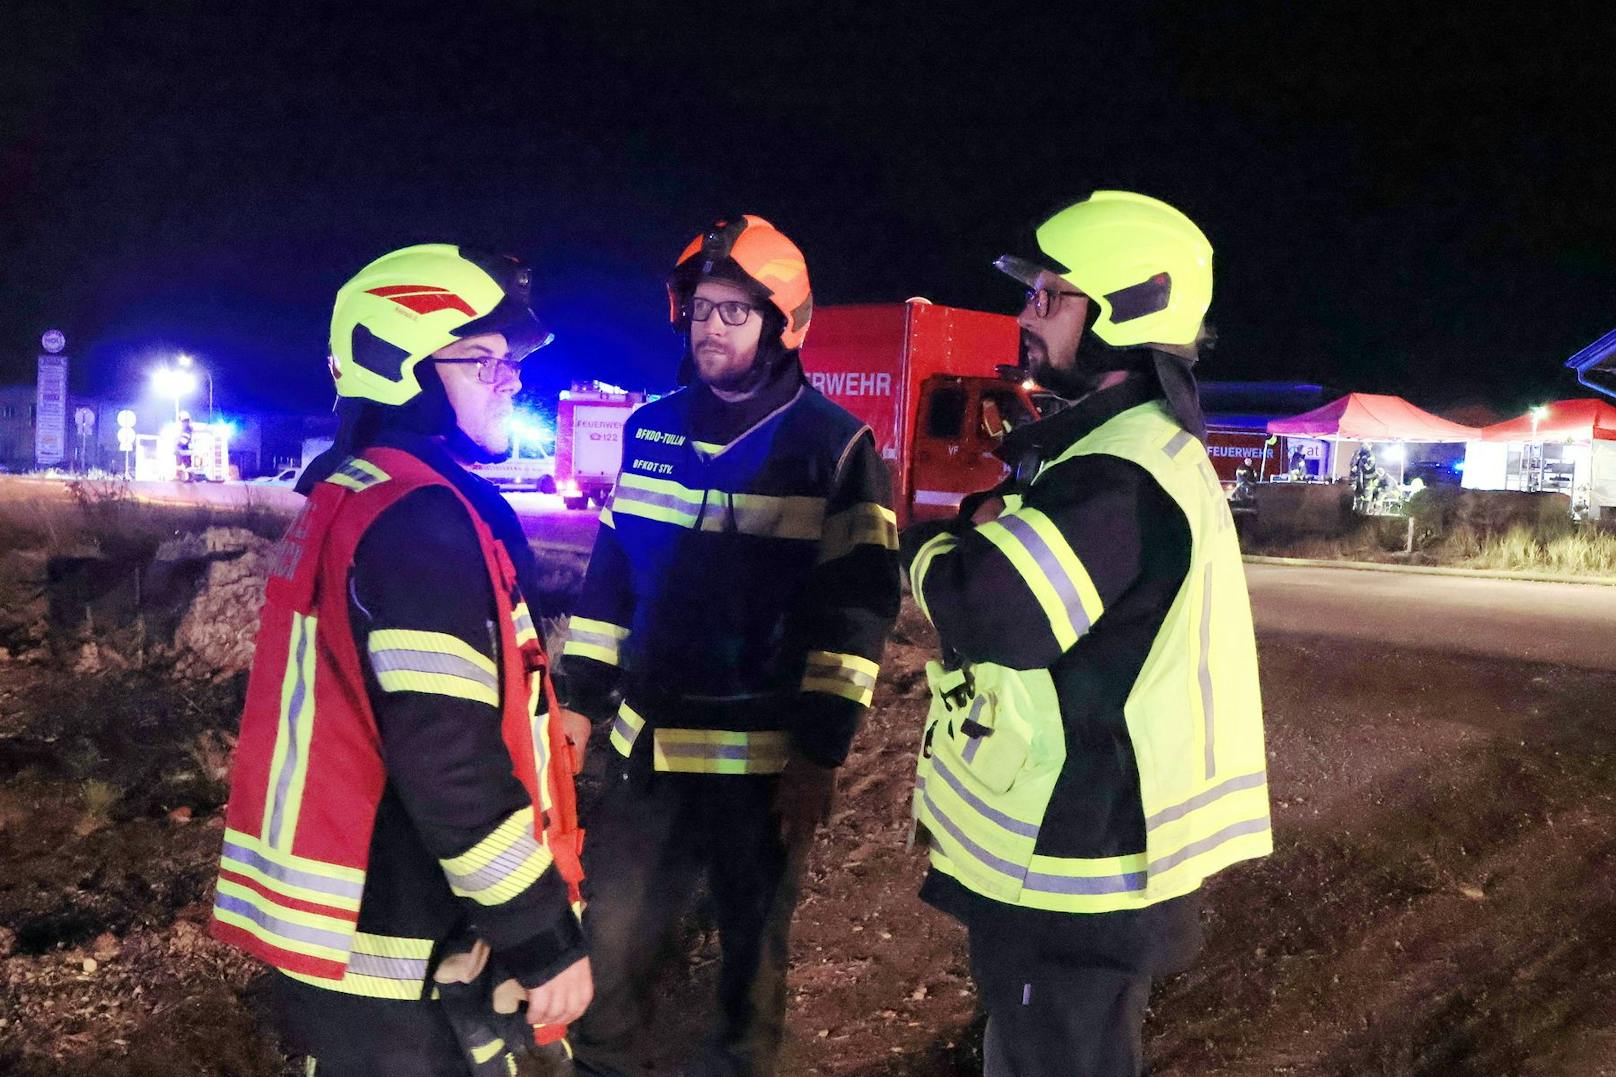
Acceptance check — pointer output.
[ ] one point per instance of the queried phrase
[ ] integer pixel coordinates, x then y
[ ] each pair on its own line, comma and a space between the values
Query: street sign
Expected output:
50, 411
84, 419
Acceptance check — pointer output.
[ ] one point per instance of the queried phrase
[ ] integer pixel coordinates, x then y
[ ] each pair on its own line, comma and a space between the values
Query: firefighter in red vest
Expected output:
401, 842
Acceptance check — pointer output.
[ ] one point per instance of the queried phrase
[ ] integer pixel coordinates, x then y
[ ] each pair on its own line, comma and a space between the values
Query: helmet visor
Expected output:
1022, 269
513, 315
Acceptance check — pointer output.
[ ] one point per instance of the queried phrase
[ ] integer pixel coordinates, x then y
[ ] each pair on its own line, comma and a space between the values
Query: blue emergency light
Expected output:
1596, 364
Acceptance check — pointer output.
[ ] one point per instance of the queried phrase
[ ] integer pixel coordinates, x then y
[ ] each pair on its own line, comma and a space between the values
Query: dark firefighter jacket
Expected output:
742, 583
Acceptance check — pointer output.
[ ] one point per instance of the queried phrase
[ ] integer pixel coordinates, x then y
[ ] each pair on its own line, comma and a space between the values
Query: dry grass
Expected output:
102, 517
98, 799
1586, 551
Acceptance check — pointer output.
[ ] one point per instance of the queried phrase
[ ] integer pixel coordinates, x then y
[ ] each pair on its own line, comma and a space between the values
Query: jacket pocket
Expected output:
974, 730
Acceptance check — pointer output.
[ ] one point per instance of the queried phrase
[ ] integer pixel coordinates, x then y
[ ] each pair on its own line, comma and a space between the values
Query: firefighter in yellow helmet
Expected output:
729, 629
401, 843
1094, 748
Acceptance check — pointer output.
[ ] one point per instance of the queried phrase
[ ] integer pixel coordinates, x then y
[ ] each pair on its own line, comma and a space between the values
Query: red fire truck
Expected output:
936, 384
589, 441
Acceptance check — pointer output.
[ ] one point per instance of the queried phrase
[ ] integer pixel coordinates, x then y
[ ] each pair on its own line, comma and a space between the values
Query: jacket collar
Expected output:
430, 451
1047, 437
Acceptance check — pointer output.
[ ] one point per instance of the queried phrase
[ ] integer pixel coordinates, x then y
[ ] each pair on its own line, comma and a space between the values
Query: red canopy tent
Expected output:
1563, 420
1369, 417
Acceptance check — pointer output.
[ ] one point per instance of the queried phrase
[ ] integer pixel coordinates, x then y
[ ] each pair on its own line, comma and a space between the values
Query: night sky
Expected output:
1420, 202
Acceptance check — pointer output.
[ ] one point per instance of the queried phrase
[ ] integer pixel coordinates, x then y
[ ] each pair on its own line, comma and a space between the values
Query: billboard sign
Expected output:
50, 412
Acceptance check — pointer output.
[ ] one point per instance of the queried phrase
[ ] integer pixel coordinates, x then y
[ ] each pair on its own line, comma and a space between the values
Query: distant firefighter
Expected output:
1245, 481
1362, 471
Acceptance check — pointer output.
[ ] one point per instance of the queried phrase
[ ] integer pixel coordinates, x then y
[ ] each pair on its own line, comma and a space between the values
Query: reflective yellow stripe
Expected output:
294, 930
392, 946
719, 751
289, 766
406, 660
941, 544
599, 640
334, 878
606, 517
656, 499
487, 1051
522, 621
539, 726
847, 675
666, 501
1051, 570
500, 866
274, 870
626, 729
357, 474
865, 524
380, 966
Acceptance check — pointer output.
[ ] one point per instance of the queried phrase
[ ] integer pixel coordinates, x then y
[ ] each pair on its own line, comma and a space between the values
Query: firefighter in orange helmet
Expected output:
729, 630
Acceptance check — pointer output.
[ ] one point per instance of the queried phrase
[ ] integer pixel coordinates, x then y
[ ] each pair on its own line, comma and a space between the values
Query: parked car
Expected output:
286, 476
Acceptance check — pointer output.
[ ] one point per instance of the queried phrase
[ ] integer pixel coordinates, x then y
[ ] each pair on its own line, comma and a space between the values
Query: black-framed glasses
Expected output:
491, 370
1045, 301
732, 312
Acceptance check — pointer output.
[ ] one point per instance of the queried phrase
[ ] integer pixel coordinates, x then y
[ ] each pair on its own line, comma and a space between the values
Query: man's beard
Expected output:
1070, 382
468, 450
727, 380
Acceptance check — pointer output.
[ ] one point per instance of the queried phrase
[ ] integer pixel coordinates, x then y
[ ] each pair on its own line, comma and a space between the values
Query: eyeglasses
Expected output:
1045, 301
491, 370
732, 311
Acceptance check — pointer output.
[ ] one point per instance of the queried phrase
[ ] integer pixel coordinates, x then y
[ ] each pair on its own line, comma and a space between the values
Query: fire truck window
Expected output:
1012, 411
945, 414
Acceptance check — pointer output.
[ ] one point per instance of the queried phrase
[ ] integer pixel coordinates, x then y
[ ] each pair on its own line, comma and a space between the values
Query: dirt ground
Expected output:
1442, 899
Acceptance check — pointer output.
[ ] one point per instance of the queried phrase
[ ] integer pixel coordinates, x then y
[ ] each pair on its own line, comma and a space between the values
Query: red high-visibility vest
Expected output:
308, 773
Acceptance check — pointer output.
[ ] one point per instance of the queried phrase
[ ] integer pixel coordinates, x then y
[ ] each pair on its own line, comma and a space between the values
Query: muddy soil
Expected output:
1442, 899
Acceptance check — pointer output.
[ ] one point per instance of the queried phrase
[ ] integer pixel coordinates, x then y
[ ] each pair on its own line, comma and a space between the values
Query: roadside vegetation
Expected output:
1440, 900
1501, 531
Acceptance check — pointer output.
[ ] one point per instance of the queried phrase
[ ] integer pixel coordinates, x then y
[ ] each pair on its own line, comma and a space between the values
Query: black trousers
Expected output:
1049, 1017
350, 1036
654, 838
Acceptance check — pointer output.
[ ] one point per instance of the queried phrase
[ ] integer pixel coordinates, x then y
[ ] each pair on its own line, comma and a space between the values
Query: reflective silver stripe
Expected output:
1004, 867
1084, 884
1201, 800
285, 928
1180, 439
402, 660
1207, 844
1053, 571
641, 496
387, 968
822, 667
283, 781
624, 729
982, 808
523, 621
291, 876
597, 639
514, 856
976, 742
1205, 672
